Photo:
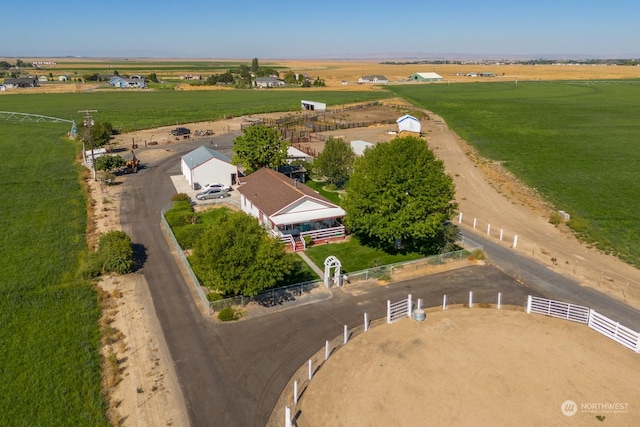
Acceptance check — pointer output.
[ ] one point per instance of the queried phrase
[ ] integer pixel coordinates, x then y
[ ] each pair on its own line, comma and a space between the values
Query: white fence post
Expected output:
499, 300
326, 350
444, 302
295, 392
346, 334
488, 229
470, 299
366, 322
460, 218
287, 417
515, 241
501, 234
475, 221
409, 306
310, 369
389, 311
529, 304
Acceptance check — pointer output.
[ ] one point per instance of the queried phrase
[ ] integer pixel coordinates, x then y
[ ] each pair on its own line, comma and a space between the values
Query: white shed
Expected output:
358, 147
294, 154
203, 166
408, 123
313, 105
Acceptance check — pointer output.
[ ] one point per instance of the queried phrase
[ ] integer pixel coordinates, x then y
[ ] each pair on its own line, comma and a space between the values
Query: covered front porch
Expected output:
298, 234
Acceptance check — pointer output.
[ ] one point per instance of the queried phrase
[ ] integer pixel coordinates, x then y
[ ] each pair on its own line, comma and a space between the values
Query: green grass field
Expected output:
575, 142
49, 336
128, 111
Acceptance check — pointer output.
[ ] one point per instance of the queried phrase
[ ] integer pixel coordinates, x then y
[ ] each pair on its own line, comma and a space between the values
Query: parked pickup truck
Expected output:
180, 131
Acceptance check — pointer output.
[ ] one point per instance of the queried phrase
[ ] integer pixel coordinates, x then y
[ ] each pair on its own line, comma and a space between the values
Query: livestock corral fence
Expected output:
404, 308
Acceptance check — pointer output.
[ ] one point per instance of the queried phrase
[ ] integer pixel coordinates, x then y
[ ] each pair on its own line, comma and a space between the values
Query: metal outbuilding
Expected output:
408, 123
313, 105
425, 77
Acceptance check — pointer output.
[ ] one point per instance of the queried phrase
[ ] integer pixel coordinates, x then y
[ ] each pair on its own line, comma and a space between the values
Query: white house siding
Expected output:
213, 171
306, 205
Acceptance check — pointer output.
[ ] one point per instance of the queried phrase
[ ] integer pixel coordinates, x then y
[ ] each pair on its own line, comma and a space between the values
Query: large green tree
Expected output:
236, 255
260, 146
335, 162
399, 198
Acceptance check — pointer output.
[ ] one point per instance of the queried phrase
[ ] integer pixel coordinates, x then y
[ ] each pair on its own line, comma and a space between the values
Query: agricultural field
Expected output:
572, 141
129, 110
49, 361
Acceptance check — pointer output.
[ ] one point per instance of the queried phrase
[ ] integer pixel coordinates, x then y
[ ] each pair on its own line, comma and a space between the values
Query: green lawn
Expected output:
575, 142
332, 196
354, 256
49, 336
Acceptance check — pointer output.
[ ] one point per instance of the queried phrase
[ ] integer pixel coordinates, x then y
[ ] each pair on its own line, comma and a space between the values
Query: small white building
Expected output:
204, 165
408, 123
359, 146
294, 154
313, 105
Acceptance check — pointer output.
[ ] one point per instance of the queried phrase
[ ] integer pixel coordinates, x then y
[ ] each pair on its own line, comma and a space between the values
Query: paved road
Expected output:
540, 279
232, 374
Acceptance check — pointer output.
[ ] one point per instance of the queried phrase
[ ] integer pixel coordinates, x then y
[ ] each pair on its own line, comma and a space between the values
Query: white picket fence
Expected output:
596, 321
559, 309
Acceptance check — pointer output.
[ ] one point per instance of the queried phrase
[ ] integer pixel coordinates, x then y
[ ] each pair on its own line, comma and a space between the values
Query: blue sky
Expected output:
324, 29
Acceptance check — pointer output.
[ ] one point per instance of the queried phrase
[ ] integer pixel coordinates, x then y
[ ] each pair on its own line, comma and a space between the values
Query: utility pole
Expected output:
89, 123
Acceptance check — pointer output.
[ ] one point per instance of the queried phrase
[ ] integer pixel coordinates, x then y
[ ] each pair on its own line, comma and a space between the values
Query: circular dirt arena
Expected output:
481, 367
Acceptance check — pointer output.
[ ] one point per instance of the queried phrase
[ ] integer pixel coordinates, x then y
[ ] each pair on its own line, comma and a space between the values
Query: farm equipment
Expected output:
132, 164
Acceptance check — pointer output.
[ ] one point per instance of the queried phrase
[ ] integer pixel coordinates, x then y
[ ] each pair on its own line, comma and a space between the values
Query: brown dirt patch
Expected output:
472, 367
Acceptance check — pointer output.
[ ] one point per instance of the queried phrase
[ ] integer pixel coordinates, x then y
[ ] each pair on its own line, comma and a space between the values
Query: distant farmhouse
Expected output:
425, 77
21, 82
264, 82
131, 82
38, 64
373, 80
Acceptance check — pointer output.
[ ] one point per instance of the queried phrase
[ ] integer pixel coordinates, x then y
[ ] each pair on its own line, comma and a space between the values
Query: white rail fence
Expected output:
561, 310
403, 308
614, 330
596, 321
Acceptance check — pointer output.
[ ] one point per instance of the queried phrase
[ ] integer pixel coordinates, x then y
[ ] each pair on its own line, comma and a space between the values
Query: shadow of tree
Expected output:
139, 256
